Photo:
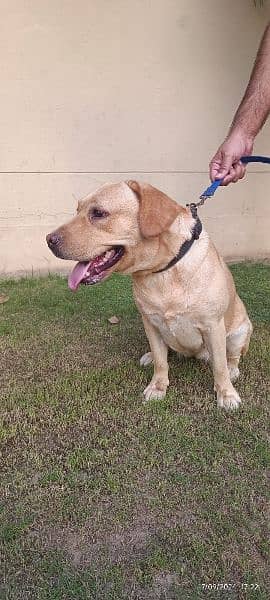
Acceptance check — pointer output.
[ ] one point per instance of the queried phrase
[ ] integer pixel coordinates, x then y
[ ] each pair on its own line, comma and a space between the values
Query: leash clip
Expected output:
193, 207
208, 193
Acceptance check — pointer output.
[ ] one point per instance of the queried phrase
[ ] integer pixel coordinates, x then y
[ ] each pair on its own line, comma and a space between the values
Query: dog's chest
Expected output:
177, 326
177, 331
173, 318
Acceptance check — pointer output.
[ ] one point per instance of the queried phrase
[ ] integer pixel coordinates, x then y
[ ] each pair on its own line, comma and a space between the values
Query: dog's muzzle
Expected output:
54, 241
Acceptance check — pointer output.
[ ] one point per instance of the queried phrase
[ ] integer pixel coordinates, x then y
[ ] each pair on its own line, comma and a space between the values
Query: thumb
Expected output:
225, 165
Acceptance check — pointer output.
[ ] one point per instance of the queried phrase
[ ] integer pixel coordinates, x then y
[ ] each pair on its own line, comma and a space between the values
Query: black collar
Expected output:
195, 234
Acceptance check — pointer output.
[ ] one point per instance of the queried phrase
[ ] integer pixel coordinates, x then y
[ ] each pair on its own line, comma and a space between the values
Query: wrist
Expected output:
246, 135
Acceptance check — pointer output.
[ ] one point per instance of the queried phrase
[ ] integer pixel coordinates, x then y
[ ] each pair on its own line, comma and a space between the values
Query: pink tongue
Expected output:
77, 275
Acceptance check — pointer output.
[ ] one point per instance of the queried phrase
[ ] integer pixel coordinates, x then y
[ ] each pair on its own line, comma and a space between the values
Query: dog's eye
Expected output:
98, 213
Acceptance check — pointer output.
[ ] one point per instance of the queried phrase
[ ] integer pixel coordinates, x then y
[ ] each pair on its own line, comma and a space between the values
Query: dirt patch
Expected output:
165, 586
99, 546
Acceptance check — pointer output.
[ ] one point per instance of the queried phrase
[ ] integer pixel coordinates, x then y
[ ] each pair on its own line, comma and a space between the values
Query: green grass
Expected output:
104, 497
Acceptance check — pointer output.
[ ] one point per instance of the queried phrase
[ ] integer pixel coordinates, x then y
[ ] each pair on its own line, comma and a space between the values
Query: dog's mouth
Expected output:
96, 269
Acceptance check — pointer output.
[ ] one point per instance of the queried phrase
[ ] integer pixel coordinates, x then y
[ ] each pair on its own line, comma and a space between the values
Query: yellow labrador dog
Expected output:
182, 287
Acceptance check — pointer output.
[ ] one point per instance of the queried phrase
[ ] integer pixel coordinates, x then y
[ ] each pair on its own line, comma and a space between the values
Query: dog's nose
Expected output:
53, 239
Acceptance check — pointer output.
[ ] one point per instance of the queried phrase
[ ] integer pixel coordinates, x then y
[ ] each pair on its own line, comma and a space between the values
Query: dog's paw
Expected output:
146, 359
234, 373
228, 399
155, 391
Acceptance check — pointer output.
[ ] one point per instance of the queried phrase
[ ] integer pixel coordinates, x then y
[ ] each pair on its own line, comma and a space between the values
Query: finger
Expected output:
243, 169
238, 169
214, 167
225, 165
230, 177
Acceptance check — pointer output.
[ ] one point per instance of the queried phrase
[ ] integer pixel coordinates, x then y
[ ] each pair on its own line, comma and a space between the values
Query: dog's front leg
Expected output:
159, 383
215, 337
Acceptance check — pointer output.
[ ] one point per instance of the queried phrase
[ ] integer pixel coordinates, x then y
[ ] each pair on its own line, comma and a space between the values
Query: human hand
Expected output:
226, 163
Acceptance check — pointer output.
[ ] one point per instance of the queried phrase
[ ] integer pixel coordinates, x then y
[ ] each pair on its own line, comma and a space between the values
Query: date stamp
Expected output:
230, 587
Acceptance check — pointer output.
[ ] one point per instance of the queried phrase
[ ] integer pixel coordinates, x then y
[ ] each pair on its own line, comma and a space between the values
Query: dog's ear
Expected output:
156, 210
80, 205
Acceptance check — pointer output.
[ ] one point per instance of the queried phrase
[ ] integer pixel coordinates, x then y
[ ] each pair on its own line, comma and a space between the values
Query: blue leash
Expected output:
197, 226
209, 192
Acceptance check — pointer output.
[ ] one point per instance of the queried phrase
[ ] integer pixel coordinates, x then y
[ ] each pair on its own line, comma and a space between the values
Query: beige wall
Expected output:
100, 90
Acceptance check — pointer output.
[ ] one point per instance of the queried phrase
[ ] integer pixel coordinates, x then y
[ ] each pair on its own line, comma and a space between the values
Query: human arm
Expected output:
248, 120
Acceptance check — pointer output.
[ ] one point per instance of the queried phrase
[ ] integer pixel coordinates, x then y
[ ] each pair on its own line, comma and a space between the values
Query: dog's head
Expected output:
110, 228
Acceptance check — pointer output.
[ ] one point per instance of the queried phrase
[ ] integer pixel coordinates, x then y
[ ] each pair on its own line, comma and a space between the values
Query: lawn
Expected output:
105, 497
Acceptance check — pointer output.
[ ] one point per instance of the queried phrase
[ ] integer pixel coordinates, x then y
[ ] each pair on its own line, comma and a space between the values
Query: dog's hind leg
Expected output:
237, 343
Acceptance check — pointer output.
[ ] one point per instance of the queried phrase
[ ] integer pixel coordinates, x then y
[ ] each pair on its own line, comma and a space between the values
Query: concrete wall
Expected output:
100, 90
